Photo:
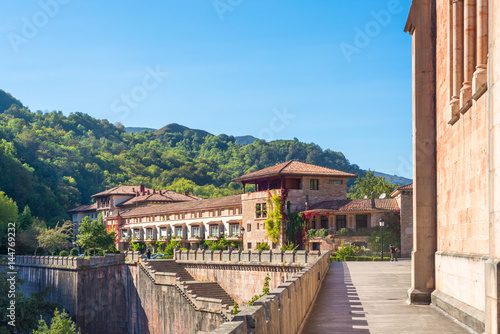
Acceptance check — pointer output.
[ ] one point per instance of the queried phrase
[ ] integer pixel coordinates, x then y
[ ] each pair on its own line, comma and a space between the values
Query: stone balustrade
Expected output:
68, 262
300, 257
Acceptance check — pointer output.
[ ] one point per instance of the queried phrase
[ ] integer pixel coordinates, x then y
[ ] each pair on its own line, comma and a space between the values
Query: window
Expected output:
124, 234
234, 229
178, 231
315, 246
334, 181
249, 227
214, 230
324, 222
137, 234
341, 222
261, 210
195, 231
313, 225
361, 221
314, 184
163, 232
249, 245
149, 233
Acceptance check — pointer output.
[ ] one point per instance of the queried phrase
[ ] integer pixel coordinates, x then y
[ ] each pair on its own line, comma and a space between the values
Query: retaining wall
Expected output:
242, 273
284, 309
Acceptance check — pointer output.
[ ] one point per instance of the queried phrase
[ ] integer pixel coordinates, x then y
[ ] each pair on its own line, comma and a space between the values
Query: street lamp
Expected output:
381, 222
242, 231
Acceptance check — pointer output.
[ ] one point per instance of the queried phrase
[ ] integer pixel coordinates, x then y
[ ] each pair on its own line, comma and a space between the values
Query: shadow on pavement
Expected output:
337, 308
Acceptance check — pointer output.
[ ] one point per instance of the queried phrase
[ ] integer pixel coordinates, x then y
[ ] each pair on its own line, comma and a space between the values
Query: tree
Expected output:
61, 323
8, 214
57, 237
364, 186
93, 234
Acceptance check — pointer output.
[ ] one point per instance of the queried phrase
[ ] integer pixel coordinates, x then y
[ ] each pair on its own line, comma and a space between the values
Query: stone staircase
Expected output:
170, 266
209, 290
187, 284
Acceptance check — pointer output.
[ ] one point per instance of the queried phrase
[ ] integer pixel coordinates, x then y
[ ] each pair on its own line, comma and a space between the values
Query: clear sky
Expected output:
333, 72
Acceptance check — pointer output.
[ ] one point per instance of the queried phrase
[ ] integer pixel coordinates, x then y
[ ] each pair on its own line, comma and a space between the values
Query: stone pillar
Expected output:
421, 24
469, 53
489, 16
480, 74
458, 56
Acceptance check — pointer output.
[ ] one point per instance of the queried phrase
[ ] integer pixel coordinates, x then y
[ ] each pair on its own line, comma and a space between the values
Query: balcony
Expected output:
213, 237
234, 237
195, 239
179, 238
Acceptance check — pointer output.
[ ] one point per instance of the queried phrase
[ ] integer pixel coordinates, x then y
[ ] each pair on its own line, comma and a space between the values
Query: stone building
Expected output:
141, 214
456, 150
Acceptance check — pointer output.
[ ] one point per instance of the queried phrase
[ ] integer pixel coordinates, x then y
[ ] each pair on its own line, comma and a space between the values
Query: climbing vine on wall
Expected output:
274, 217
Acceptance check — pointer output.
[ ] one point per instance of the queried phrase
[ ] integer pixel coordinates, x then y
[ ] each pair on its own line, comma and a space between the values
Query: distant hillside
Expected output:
245, 140
177, 128
132, 129
394, 178
7, 100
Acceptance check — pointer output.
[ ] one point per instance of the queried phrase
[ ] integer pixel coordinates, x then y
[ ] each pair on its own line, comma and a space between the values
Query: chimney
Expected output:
133, 190
373, 200
186, 193
154, 191
142, 188
160, 192
137, 194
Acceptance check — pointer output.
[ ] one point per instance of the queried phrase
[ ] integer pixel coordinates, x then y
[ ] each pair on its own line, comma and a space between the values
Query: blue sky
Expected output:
336, 73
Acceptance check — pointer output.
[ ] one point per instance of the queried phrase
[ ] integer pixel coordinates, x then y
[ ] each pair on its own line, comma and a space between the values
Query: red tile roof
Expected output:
84, 208
408, 187
385, 204
122, 190
165, 196
202, 204
294, 168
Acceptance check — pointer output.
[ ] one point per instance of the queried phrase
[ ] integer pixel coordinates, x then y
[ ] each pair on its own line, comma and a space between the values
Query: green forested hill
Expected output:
53, 162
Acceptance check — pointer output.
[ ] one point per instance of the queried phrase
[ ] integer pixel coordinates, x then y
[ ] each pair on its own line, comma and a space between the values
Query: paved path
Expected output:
370, 297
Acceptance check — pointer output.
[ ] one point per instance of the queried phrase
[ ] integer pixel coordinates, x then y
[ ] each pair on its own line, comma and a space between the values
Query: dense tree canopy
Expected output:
52, 162
364, 186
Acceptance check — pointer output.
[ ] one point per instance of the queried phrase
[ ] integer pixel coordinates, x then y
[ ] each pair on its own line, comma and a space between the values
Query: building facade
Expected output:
146, 215
456, 143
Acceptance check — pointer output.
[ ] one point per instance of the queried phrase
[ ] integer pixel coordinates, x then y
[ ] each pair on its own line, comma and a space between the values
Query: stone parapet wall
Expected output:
69, 262
255, 257
284, 309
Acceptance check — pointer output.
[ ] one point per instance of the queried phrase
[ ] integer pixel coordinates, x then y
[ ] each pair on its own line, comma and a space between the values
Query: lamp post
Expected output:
242, 231
381, 222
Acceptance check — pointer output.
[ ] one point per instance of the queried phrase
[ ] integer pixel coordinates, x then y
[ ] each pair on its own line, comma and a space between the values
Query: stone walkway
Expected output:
370, 297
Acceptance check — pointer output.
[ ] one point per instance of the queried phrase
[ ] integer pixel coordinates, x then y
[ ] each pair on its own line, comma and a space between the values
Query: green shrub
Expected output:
290, 246
74, 252
346, 250
350, 258
169, 249
344, 232
94, 252
64, 253
262, 246
321, 233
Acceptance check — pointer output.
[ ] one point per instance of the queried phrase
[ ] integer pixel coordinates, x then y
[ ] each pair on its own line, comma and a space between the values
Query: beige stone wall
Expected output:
466, 284
284, 309
462, 161
325, 192
405, 202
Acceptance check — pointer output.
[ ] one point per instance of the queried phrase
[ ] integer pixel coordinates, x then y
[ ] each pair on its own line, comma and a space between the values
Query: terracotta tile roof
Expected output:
291, 168
202, 204
386, 204
84, 208
408, 187
165, 196
121, 190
